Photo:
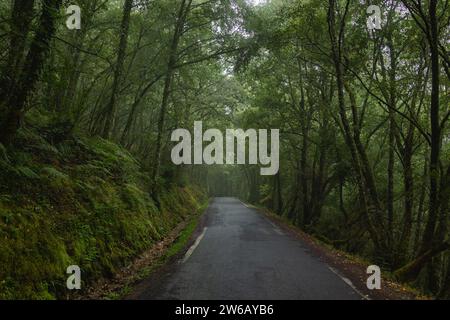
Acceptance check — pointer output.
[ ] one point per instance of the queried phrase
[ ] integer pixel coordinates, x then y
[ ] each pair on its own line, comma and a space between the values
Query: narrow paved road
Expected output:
242, 255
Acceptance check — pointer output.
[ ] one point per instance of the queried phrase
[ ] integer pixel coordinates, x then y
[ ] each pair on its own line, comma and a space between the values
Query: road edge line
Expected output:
194, 246
349, 283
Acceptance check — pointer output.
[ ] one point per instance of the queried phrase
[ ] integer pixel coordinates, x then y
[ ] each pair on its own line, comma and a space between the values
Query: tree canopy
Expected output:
363, 113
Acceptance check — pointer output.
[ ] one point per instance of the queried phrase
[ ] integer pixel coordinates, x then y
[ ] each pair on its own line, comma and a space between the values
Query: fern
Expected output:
26, 172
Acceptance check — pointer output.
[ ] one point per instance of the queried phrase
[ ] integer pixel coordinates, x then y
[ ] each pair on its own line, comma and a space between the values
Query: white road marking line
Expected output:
275, 228
244, 204
194, 246
348, 282
273, 224
279, 232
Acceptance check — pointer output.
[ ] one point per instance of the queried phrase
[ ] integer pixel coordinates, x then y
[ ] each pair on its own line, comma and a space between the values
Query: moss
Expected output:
89, 208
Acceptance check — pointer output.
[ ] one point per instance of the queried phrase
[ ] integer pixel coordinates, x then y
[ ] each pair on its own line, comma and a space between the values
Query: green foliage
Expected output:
94, 213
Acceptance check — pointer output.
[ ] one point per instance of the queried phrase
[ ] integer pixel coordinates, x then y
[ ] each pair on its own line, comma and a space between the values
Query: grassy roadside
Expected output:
184, 237
176, 246
83, 201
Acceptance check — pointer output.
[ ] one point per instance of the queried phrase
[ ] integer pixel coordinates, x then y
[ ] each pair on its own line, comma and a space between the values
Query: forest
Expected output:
86, 116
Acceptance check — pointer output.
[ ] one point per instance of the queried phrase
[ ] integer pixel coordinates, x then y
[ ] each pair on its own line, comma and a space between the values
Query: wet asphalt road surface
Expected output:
240, 254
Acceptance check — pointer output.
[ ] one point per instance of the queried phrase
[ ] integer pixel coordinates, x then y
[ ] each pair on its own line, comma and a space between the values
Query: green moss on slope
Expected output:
83, 202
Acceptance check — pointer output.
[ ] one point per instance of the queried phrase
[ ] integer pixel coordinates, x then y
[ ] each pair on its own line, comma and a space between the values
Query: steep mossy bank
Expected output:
80, 202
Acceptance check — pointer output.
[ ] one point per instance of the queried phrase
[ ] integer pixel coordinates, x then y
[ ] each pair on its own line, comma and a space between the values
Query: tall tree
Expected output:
28, 76
110, 109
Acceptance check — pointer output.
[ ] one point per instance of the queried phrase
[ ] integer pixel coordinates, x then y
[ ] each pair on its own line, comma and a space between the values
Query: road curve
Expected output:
241, 255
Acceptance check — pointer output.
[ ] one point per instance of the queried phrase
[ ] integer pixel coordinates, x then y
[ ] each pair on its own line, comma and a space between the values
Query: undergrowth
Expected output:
83, 201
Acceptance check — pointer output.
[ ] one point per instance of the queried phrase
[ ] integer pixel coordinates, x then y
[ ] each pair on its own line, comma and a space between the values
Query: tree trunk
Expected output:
408, 183
171, 63
410, 271
21, 18
29, 75
110, 113
336, 47
433, 40
444, 292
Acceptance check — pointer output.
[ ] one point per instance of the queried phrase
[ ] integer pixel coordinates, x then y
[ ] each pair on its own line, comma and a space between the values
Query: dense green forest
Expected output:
86, 117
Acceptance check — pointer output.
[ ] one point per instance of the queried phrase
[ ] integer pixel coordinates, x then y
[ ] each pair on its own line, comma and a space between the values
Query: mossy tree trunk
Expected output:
28, 76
